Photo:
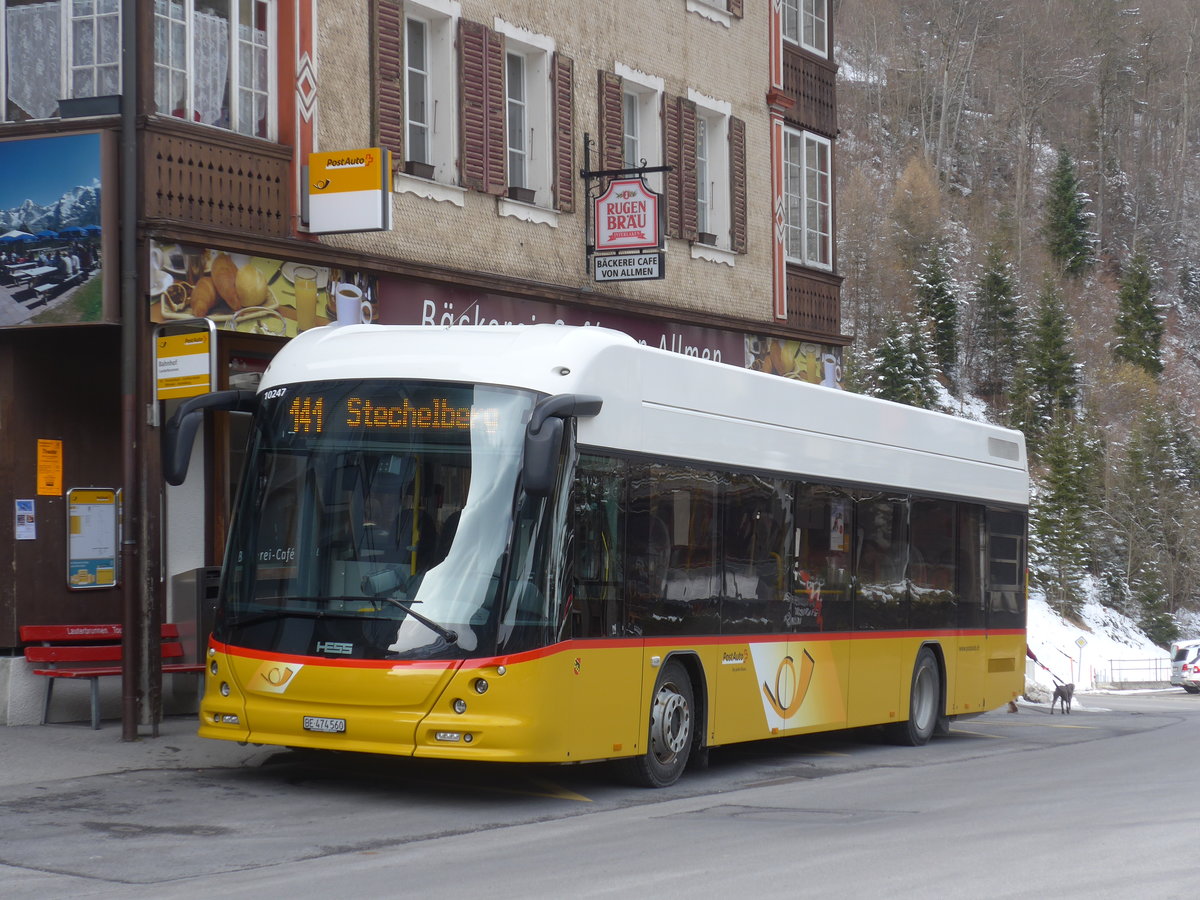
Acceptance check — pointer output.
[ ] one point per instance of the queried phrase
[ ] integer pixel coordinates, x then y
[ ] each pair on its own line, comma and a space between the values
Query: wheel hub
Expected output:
670, 723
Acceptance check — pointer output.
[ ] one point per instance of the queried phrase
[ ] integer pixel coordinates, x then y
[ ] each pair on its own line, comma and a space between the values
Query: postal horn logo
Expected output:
790, 686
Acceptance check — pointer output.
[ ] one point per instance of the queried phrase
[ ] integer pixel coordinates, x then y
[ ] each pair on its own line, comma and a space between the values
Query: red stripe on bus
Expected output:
666, 642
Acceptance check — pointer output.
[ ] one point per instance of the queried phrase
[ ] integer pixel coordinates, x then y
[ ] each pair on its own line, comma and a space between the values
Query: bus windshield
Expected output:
375, 521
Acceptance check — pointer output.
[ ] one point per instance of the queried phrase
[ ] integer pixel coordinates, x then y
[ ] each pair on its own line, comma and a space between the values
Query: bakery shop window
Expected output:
214, 63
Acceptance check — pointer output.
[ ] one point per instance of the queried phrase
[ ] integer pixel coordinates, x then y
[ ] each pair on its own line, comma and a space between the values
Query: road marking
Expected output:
976, 733
1039, 725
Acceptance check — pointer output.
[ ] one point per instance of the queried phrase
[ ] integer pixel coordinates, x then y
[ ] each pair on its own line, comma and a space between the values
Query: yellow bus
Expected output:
554, 544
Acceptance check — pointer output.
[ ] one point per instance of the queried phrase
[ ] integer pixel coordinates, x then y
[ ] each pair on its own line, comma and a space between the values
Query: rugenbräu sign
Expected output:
627, 217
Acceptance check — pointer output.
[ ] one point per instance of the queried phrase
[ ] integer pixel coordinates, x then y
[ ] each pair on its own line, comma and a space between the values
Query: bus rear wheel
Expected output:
924, 701
669, 741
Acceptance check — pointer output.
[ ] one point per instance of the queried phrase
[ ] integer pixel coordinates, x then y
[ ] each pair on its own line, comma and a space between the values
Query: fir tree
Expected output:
997, 328
889, 368
1059, 517
899, 370
1047, 381
1139, 327
1066, 225
937, 303
1153, 504
922, 373
1189, 286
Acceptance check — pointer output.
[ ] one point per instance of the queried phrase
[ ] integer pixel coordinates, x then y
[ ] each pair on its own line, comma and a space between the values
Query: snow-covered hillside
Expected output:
1113, 650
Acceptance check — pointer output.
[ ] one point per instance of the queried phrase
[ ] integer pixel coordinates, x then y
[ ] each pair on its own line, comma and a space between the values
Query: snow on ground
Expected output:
1113, 651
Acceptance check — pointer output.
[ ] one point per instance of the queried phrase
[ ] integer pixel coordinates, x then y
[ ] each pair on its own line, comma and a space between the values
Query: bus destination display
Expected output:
309, 415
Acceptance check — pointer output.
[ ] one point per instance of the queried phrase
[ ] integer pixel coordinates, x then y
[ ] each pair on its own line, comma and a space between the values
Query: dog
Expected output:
1063, 694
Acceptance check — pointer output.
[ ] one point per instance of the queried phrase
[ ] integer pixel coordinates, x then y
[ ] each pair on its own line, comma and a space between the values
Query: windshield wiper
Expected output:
446, 634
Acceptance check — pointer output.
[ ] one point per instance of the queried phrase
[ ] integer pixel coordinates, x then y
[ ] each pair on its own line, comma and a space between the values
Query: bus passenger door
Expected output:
603, 658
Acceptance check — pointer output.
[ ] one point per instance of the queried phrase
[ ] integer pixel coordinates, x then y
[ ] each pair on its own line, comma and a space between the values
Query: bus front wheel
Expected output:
924, 702
669, 741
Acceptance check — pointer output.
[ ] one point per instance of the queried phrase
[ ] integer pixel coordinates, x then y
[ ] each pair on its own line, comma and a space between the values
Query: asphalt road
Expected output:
1098, 804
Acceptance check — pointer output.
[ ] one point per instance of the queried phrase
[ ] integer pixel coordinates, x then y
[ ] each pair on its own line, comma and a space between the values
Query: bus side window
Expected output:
970, 566
598, 548
931, 564
880, 560
756, 544
820, 588
1006, 568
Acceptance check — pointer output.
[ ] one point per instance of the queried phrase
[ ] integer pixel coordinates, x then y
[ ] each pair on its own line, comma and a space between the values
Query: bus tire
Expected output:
924, 701
671, 732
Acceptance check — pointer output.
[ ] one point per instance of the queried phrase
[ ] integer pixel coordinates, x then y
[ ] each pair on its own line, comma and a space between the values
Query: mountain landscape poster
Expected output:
50, 230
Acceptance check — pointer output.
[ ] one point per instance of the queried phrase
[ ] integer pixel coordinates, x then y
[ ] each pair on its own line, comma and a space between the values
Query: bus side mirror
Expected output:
543, 438
180, 431
541, 458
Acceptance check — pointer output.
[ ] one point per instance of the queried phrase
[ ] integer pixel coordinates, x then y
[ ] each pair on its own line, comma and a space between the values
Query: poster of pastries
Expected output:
251, 294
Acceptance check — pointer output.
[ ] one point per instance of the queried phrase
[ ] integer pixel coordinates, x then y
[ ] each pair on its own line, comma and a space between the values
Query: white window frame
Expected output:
536, 51
516, 118
806, 22
715, 115
647, 90
713, 10
417, 132
66, 55
237, 84
808, 199
440, 21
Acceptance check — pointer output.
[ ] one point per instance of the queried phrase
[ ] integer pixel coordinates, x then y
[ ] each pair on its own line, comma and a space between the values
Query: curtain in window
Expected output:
34, 72
210, 52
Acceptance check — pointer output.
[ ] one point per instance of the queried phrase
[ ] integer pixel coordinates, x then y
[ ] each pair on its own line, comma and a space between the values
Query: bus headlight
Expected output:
460, 706
481, 685
224, 688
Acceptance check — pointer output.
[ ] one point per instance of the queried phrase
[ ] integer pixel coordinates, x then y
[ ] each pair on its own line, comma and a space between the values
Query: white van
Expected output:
1185, 665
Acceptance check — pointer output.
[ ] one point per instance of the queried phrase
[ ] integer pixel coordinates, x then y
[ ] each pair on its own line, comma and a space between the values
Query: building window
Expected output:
712, 170
807, 199
806, 22
629, 128
430, 86
416, 72
518, 139
214, 63
641, 104
55, 50
527, 102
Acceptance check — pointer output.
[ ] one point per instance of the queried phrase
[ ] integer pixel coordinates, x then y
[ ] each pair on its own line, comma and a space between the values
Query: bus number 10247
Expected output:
308, 415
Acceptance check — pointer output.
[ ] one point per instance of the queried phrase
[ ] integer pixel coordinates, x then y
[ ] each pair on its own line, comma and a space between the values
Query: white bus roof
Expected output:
667, 405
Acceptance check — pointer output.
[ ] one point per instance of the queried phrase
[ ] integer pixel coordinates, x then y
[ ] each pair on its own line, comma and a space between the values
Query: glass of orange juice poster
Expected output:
305, 282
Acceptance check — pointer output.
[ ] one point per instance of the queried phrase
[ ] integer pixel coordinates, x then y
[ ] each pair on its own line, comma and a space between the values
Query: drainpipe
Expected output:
133, 584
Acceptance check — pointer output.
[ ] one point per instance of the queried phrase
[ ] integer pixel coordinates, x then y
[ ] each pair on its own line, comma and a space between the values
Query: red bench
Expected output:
82, 651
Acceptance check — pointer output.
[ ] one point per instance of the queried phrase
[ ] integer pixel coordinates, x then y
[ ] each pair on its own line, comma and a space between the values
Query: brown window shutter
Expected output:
389, 76
562, 85
481, 82
497, 141
735, 8
737, 185
672, 157
679, 152
612, 149
687, 169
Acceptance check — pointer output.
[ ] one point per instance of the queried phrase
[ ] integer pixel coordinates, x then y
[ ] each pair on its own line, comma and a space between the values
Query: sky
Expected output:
43, 169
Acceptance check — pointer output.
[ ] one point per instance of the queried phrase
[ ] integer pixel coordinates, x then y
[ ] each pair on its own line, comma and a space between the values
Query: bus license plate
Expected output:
320, 723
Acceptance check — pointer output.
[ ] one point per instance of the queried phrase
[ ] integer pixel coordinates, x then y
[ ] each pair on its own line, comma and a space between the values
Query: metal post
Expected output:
133, 585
